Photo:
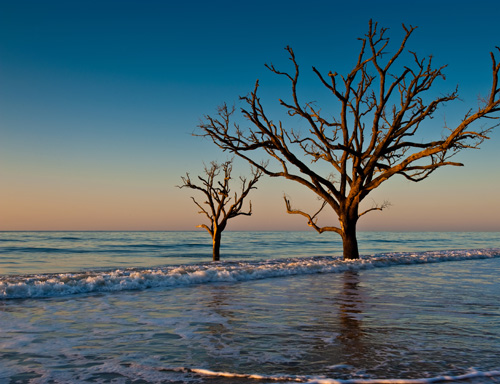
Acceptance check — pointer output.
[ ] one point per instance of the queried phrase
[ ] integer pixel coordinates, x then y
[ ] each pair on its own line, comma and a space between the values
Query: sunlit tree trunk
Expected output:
348, 218
349, 240
216, 240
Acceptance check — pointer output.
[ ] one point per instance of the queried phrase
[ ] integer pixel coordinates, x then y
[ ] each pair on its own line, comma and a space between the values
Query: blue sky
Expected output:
98, 101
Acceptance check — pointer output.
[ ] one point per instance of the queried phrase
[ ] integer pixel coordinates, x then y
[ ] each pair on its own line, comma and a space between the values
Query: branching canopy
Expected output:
220, 205
373, 138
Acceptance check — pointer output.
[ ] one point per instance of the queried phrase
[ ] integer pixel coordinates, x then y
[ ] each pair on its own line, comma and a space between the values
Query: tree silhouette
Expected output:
220, 206
374, 136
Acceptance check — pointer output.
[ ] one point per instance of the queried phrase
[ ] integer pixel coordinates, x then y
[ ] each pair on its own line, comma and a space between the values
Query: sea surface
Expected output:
281, 307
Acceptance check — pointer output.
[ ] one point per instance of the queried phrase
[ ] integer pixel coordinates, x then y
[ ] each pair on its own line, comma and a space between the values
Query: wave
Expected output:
165, 246
473, 374
43, 250
65, 284
132, 248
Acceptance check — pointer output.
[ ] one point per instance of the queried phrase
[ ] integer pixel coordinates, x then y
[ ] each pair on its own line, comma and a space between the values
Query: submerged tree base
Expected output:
369, 134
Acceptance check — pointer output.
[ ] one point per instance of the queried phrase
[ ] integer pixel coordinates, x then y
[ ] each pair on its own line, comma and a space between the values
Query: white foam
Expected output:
254, 376
473, 374
50, 285
437, 379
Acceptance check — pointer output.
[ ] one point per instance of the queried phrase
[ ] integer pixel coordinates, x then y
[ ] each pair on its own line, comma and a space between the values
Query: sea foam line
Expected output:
315, 380
64, 284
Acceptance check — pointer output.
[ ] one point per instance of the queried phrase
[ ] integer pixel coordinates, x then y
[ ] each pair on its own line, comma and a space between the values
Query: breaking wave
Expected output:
470, 376
65, 284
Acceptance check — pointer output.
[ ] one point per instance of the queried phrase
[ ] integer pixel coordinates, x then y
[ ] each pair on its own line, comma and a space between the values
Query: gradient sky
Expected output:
98, 101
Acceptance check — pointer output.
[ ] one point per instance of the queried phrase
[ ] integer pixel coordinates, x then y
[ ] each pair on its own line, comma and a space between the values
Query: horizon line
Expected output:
240, 230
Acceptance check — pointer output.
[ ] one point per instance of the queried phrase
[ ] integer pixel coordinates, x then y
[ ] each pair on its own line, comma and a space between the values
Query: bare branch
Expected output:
311, 220
206, 227
376, 207
220, 206
382, 102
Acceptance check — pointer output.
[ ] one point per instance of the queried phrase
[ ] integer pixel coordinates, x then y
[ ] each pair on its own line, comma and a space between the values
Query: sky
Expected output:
99, 101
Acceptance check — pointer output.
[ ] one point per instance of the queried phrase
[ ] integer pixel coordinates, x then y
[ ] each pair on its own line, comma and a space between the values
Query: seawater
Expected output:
57, 252
282, 307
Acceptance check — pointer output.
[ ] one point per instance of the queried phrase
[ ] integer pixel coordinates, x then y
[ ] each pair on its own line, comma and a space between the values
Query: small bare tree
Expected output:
374, 137
220, 206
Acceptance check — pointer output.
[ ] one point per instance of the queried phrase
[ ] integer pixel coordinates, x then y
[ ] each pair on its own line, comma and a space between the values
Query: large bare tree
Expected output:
220, 206
375, 135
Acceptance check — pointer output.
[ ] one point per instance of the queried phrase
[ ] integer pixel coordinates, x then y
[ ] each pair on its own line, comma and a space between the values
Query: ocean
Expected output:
281, 307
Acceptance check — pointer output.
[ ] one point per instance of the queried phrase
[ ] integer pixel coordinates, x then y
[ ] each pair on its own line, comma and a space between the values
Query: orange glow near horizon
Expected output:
415, 207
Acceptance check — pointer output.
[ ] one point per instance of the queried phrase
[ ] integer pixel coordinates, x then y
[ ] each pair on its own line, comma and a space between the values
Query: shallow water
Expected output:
418, 320
57, 252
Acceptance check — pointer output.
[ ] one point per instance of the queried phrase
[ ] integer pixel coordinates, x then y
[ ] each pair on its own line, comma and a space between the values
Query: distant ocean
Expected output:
281, 307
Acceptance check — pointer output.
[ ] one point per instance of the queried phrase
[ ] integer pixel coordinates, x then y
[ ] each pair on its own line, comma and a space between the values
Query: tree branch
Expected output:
217, 193
381, 102
311, 220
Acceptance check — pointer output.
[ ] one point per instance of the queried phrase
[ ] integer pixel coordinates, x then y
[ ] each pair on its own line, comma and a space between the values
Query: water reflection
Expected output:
342, 347
286, 332
217, 301
351, 306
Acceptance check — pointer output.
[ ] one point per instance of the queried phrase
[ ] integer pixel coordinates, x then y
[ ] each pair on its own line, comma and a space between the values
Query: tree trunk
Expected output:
216, 239
349, 240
